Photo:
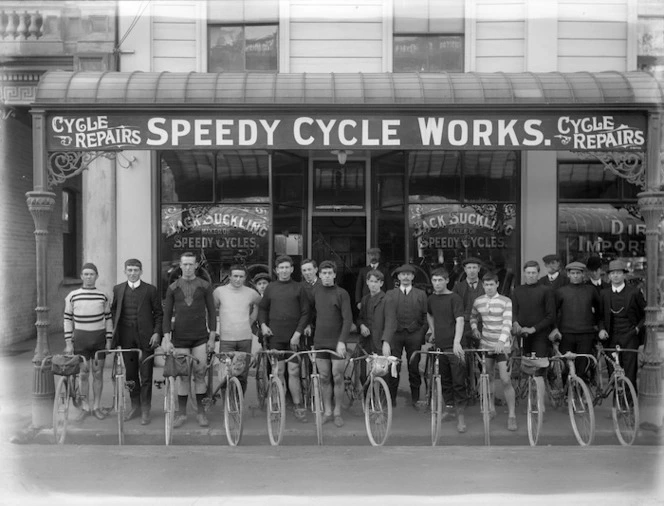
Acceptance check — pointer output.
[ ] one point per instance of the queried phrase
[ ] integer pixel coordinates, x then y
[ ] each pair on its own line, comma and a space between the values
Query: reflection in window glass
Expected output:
242, 48
583, 181
428, 53
490, 176
261, 47
339, 187
242, 176
434, 175
187, 176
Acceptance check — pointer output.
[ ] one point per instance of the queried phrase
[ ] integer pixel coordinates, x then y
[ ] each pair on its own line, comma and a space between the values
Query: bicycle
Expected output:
354, 390
275, 397
625, 409
484, 390
120, 384
68, 390
529, 367
262, 378
233, 395
579, 400
435, 389
170, 395
316, 394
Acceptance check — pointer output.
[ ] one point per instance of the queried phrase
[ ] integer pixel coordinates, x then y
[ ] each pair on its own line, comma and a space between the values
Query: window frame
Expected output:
212, 26
461, 35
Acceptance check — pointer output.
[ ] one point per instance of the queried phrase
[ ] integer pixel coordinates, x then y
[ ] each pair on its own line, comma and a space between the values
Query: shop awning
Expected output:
156, 89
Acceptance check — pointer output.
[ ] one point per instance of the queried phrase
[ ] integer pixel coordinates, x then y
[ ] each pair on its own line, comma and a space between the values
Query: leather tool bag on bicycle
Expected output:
176, 365
381, 366
240, 363
531, 366
65, 365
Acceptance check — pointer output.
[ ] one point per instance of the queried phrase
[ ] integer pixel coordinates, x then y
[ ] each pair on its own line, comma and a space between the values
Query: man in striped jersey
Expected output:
494, 313
88, 328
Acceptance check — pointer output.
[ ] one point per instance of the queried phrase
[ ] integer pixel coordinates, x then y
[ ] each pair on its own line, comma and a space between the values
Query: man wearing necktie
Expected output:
137, 322
622, 310
373, 264
555, 278
594, 266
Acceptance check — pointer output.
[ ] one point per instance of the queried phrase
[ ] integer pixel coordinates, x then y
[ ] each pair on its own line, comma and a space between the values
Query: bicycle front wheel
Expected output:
581, 412
262, 380
233, 411
170, 401
485, 407
317, 407
378, 412
120, 406
625, 411
535, 414
436, 409
61, 410
305, 378
276, 411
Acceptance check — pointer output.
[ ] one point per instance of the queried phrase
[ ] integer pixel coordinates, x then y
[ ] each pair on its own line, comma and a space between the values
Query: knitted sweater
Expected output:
192, 304
87, 309
495, 315
578, 309
333, 316
285, 309
534, 306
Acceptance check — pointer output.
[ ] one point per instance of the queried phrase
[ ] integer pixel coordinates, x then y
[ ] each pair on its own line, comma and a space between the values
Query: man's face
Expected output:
373, 258
374, 285
89, 278
595, 275
188, 266
327, 276
133, 273
617, 277
309, 272
575, 276
284, 271
261, 285
472, 271
238, 278
552, 267
490, 287
439, 283
531, 275
406, 278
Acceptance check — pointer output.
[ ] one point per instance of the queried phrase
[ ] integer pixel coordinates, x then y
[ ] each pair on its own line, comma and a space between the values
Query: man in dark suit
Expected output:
405, 326
373, 264
622, 315
594, 271
555, 277
137, 322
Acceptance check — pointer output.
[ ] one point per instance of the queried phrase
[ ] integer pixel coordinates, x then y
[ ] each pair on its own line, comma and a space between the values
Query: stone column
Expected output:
41, 205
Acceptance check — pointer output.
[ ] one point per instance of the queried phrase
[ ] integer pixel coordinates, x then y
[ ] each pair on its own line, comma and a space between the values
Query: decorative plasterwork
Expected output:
627, 165
63, 165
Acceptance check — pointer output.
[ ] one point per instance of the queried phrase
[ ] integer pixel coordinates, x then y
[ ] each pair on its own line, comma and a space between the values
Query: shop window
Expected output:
651, 43
339, 187
428, 53
71, 242
243, 48
242, 176
187, 176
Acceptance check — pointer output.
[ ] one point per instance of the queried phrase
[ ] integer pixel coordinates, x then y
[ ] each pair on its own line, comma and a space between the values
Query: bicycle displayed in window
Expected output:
67, 391
275, 399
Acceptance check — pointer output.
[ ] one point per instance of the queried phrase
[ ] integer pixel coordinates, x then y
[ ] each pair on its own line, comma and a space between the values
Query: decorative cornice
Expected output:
627, 165
63, 165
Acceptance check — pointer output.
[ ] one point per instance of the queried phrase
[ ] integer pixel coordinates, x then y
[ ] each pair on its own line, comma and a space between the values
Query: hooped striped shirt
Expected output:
495, 314
87, 309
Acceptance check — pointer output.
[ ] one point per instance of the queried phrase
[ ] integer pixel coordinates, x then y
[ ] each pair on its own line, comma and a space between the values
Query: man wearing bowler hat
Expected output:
405, 326
594, 266
622, 317
555, 277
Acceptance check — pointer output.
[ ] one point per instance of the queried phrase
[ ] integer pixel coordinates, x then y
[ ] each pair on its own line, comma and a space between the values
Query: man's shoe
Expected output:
99, 414
179, 420
202, 420
132, 413
300, 414
461, 424
448, 414
145, 418
327, 418
511, 423
82, 416
338, 421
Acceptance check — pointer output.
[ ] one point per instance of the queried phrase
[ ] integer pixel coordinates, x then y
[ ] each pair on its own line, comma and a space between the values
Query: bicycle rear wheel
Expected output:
170, 403
61, 410
581, 412
317, 407
428, 379
378, 412
262, 380
276, 411
625, 411
436, 409
485, 407
120, 406
305, 378
233, 411
555, 384
535, 414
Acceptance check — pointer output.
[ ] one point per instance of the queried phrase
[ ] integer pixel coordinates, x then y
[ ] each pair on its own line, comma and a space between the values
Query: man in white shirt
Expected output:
555, 277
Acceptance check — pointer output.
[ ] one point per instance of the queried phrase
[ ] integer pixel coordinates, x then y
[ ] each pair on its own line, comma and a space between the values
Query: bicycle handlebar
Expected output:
120, 350
312, 352
189, 357
430, 352
274, 352
617, 349
571, 356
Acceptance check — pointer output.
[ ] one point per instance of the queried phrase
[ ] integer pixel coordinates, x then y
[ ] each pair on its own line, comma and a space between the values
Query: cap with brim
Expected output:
550, 258
471, 260
261, 275
90, 266
575, 266
405, 268
373, 250
618, 265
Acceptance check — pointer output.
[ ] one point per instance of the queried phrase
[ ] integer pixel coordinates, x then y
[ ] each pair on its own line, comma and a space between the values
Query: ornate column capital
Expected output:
41, 206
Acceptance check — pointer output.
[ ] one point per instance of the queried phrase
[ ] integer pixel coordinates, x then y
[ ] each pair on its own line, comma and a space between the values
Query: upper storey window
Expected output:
243, 48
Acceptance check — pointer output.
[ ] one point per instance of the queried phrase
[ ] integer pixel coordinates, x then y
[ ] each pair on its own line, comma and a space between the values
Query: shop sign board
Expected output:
543, 130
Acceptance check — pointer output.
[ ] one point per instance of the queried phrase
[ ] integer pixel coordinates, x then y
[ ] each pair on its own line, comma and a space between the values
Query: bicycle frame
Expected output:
484, 390
275, 406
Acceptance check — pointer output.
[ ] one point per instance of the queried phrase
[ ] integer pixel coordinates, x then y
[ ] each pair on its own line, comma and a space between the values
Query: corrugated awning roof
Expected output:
160, 88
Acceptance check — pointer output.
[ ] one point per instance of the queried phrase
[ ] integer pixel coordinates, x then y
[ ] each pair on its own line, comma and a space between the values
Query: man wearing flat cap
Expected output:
577, 313
555, 277
622, 317
405, 326
373, 264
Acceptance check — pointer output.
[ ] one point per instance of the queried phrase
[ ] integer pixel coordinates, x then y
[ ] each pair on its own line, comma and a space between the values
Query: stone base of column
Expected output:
43, 393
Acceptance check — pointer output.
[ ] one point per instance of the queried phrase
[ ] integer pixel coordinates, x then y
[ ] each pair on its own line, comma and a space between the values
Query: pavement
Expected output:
409, 427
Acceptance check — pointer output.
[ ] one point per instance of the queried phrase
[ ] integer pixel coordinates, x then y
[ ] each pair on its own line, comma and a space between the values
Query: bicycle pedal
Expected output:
159, 384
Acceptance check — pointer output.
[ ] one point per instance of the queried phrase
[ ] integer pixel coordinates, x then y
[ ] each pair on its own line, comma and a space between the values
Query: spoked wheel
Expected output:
276, 411
305, 377
436, 409
581, 412
317, 407
262, 380
428, 379
169, 409
353, 390
378, 412
485, 407
625, 411
61, 410
535, 414
233, 405
120, 406
554, 383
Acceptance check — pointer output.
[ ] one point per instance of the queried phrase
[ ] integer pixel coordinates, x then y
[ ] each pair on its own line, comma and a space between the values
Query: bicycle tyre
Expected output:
120, 406
317, 407
535, 415
262, 380
436, 409
555, 383
233, 404
305, 379
378, 412
169, 409
581, 411
61, 410
428, 378
485, 407
276, 411
625, 411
